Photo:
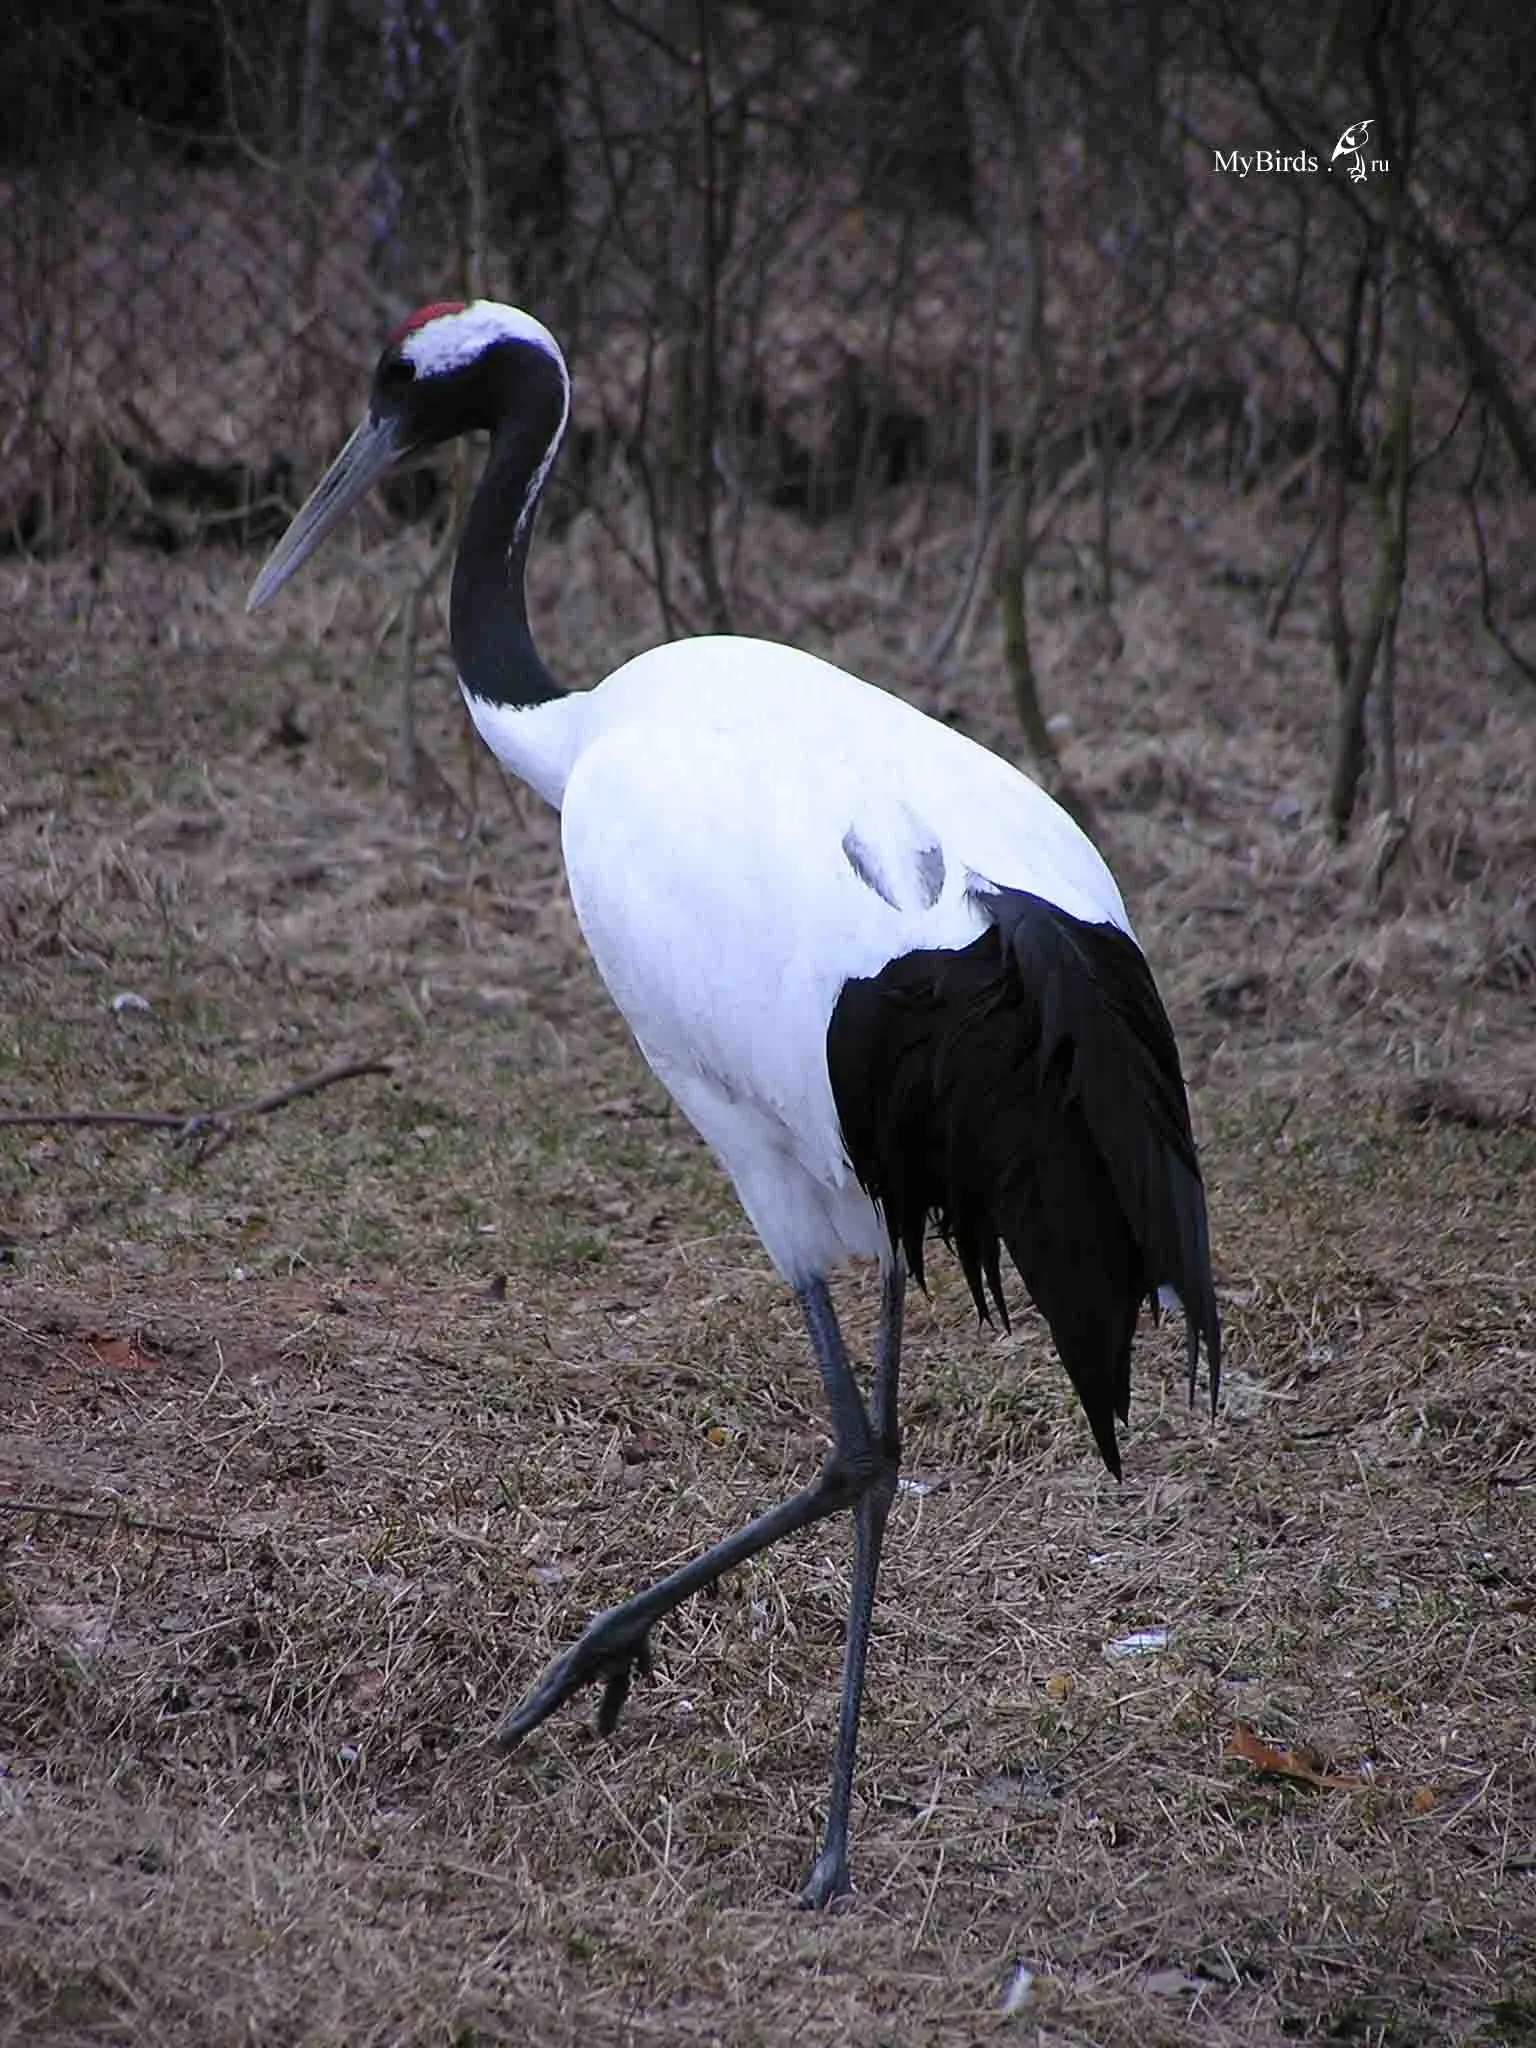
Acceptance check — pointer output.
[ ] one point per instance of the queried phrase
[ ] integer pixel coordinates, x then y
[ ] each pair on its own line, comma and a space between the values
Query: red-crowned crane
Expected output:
882, 973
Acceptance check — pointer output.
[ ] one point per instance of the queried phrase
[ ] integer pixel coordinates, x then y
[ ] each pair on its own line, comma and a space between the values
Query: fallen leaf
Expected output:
1243, 1746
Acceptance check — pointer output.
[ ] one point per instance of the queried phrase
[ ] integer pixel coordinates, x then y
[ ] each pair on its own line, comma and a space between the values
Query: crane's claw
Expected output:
609, 1648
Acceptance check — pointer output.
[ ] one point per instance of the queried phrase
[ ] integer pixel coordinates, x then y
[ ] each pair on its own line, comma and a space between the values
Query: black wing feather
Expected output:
1025, 1092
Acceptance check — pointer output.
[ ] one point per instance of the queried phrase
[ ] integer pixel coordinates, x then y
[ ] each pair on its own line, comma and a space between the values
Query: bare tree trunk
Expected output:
317, 21
528, 201
1013, 607
692, 320
305, 200
1104, 544
1341, 456
875, 408
413, 769
470, 94
707, 422
1349, 748
1484, 363
1034, 391
1373, 657
985, 513
1392, 514
1520, 663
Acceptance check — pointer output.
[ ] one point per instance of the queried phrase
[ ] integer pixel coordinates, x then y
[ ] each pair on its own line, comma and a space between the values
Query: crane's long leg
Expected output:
617, 1643
829, 1877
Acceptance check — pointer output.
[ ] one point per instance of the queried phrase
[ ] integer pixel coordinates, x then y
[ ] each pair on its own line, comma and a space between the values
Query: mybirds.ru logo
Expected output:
1352, 146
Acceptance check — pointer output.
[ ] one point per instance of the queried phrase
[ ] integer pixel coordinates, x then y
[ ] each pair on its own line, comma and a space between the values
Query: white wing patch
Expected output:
898, 857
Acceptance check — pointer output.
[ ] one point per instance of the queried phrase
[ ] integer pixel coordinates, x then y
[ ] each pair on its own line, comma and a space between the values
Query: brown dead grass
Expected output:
371, 1409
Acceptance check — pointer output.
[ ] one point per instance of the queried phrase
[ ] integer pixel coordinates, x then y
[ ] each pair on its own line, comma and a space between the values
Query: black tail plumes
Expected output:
1026, 1092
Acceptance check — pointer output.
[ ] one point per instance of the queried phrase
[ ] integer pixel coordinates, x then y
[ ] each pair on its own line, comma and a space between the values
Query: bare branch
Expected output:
208, 1130
1522, 664
1293, 576
987, 500
1480, 357
115, 1518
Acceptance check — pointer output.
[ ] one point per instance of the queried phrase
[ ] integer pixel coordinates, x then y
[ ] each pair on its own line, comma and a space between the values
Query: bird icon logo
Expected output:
1352, 144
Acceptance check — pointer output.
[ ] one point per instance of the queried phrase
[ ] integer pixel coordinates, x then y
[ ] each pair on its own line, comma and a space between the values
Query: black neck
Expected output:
488, 609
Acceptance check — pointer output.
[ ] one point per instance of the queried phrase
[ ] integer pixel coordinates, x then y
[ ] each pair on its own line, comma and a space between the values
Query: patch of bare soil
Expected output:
313, 1450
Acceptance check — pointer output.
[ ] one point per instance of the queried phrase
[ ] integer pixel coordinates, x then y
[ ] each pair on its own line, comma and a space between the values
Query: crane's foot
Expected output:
828, 1881
611, 1648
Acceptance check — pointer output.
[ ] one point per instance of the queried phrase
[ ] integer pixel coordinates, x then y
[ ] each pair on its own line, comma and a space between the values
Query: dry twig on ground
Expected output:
206, 1130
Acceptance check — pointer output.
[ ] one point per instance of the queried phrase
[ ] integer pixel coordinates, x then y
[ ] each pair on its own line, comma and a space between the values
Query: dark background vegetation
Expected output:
799, 252
934, 340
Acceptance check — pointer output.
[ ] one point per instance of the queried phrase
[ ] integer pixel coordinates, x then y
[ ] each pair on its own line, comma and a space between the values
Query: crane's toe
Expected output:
620, 1675
612, 1649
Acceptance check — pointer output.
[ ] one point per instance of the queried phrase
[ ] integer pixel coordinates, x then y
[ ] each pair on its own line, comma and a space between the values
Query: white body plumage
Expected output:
745, 829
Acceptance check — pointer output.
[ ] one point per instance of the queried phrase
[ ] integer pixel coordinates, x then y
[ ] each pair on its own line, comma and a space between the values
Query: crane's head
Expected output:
449, 369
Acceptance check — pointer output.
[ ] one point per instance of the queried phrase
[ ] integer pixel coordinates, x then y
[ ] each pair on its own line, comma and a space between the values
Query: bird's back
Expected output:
864, 749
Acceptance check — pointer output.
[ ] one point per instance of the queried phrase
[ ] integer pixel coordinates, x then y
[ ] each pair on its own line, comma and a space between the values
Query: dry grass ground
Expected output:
347, 1427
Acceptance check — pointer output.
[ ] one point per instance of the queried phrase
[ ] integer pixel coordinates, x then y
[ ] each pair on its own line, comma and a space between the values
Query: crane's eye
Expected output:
396, 373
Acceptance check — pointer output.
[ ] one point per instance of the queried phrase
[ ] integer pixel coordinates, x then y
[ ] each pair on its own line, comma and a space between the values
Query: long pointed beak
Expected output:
371, 450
